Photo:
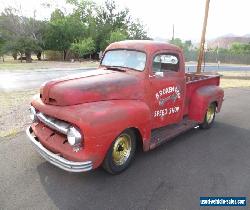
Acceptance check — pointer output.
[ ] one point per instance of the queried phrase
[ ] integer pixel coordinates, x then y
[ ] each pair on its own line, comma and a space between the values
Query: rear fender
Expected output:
201, 99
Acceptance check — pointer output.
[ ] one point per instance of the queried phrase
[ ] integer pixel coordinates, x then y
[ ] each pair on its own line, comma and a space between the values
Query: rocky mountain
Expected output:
246, 35
227, 40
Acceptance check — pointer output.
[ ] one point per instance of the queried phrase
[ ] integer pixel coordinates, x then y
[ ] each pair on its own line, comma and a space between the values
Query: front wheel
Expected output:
209, 117
121, 153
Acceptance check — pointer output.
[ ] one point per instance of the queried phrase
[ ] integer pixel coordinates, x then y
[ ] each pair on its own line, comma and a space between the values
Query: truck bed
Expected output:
192, 77
194, 81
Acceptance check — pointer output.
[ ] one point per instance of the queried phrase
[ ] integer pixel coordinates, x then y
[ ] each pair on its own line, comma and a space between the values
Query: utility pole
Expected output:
173, 33
203, 38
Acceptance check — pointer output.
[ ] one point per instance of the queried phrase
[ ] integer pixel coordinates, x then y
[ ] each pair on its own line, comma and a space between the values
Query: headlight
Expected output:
74, 136
33, 116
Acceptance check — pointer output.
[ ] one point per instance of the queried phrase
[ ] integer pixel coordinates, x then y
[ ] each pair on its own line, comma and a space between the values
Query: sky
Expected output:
225, 16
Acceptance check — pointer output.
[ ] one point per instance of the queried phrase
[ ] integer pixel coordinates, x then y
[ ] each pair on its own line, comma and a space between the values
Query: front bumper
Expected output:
55, 159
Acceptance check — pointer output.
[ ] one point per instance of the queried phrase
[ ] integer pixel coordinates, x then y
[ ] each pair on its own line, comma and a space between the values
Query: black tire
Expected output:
208, 119
110, 164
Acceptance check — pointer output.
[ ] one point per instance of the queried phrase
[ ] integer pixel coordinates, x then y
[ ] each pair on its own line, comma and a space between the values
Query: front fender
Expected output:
201, 99
101, 122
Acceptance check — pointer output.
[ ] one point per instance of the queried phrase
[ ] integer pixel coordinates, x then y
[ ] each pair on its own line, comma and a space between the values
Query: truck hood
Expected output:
92, 86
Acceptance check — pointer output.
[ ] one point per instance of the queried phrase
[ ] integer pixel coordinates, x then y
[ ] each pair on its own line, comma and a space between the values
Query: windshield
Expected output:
125, 58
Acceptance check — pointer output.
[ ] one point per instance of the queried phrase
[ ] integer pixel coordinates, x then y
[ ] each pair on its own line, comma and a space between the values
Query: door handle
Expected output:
157, 74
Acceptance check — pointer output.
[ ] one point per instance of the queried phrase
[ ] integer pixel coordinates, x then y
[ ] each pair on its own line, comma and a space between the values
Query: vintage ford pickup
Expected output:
140, 96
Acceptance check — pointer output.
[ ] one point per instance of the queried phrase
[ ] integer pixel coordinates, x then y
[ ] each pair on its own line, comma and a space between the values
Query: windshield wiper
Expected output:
115, 68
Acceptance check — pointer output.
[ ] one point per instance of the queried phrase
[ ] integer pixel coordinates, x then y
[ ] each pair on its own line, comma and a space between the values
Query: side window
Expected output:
166, 63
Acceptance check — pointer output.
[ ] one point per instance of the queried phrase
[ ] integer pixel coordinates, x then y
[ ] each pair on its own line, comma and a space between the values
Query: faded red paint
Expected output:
104, 103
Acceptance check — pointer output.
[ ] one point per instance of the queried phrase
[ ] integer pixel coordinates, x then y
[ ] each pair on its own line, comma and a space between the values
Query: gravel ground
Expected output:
14, 115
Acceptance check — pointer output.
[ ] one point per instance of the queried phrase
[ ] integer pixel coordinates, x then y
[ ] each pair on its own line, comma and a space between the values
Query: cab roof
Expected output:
148, 46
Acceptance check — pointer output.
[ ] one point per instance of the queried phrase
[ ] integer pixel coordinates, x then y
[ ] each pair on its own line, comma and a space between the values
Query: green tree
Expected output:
85, 12
113, 36
137, 30
57, 14
109, 19
25, 46
83, 47
110, 16
116, 36
240, 48
102, 21
188, 44
185, 45
22, 34
2, 42
177, 42
61, 32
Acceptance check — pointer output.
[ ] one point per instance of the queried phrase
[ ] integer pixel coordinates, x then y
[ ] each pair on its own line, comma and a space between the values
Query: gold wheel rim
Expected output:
210, 114
121, 149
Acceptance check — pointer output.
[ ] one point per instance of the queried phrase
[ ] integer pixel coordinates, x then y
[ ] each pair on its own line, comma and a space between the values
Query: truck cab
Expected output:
140, 96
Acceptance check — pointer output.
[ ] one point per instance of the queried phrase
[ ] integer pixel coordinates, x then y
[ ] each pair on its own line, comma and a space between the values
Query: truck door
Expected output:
167, 82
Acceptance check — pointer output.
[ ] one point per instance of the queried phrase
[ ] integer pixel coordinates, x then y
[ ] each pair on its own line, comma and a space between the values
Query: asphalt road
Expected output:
198, 163
29, 79
221, 67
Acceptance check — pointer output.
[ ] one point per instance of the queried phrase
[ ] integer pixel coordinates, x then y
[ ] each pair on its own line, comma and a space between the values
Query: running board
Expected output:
163, 134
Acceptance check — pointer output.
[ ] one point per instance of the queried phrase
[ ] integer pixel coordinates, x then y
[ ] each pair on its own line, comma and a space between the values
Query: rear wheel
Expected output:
209, 117
121, 153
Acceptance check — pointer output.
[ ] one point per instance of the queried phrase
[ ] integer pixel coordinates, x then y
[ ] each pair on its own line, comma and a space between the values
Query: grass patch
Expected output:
235, 73
17, 65
230, 83
9, 133
235, 79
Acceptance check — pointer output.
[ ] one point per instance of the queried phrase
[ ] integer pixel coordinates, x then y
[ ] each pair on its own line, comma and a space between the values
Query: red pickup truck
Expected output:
140, 96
